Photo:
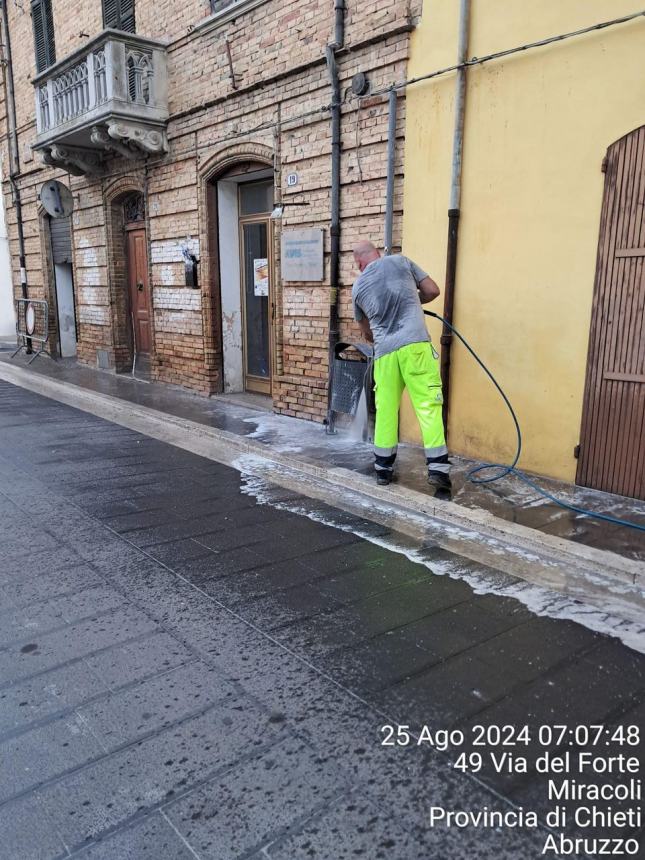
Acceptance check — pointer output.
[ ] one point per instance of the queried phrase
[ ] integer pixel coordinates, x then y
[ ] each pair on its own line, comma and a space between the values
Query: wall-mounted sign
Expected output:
56, 198
30, 319
302, 255
292, 179
261, 277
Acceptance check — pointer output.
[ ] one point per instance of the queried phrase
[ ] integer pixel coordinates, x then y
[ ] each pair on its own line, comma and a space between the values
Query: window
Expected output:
256, 197
119, 15
134, 208
43, 21
220, 5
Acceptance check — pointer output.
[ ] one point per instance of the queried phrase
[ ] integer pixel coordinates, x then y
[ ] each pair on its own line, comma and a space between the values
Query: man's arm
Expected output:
360, 317
366, 331
428, 290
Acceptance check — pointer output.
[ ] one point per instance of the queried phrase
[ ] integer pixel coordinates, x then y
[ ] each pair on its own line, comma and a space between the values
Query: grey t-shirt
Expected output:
386, 293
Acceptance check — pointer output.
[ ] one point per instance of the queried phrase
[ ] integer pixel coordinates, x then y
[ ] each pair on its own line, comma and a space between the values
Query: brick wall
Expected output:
277, 55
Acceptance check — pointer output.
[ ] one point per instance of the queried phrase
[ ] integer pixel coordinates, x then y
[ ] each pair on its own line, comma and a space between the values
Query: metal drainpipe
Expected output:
389, 187
454, 211
334, 265
339, 24
14, 153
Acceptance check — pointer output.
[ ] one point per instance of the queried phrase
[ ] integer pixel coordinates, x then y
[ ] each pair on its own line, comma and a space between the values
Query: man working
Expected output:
387, 298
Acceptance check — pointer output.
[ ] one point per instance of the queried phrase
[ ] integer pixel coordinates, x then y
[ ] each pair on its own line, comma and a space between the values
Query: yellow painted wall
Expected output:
537, 127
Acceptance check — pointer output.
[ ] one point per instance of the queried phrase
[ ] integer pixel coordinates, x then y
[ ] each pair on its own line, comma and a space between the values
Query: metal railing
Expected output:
114, 67
32, 325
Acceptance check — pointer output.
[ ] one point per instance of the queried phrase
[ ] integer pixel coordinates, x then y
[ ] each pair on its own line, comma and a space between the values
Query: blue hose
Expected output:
474, 475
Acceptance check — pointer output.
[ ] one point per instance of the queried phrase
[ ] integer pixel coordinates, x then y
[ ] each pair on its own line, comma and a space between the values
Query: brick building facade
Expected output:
221, 103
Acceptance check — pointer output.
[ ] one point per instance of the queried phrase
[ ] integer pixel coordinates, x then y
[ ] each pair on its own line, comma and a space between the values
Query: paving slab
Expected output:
22, 590
64, 689
44, 616
249, 806
155, 703
149, 839
69, 743
146, 774
72, 643
28, 834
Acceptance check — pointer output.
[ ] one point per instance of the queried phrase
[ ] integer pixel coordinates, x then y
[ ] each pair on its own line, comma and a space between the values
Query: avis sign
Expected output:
302, 255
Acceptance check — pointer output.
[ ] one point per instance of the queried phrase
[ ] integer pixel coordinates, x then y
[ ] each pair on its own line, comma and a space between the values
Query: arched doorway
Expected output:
136, 253
131, 298
241, 200
612, 454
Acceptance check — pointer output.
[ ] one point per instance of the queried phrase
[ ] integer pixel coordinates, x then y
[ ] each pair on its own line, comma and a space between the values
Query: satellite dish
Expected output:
56, 198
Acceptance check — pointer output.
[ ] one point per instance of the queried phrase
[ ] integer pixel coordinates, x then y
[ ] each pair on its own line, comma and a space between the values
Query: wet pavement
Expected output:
508, 499
185, 672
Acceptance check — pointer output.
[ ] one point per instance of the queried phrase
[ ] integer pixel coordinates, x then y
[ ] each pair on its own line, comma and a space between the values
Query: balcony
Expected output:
108, 98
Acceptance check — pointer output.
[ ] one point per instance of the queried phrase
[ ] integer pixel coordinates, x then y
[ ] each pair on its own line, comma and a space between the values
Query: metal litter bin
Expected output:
350, 376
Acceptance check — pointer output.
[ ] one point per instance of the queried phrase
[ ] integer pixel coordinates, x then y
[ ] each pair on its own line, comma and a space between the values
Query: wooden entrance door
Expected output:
256, 304
138, 287
612, 444
255, 201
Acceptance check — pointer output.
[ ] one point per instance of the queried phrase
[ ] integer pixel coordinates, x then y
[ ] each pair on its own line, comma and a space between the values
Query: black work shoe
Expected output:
383, 479
440, 480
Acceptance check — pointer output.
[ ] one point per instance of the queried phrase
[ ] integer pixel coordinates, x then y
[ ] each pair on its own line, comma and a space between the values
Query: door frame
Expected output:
263, 386
132, 227
51, 274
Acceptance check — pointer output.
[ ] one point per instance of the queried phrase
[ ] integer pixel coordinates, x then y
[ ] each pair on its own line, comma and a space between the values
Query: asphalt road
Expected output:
185, 673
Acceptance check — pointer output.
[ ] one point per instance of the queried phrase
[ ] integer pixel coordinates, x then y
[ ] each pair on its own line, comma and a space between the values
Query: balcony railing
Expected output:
110, 96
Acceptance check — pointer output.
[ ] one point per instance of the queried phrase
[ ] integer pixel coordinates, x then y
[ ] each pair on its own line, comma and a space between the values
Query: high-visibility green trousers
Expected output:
416, 368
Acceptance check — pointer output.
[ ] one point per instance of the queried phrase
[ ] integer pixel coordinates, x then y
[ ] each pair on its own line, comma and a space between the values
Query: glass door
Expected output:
256, 303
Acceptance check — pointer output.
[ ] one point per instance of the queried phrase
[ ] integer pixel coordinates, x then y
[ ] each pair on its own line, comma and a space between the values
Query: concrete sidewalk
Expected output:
506, 525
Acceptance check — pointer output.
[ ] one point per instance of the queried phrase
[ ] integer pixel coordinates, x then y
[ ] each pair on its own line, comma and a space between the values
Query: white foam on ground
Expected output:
292, 435
537, 599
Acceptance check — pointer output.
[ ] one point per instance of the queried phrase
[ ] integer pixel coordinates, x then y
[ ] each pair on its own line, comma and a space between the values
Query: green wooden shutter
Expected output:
44, 45
119, 15
110, 13
127, 15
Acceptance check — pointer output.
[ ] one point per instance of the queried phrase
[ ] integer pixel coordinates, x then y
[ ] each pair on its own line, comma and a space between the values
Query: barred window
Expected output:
44, 46
119, 15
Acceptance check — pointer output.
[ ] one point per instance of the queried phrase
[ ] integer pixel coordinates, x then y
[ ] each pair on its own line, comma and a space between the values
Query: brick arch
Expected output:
226, 157
122, 186
122, 340
210, 169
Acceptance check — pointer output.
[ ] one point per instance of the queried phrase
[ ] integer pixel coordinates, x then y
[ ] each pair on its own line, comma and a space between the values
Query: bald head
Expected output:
365, 253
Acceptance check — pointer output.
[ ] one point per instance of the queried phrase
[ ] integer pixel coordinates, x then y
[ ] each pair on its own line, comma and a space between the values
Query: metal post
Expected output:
339, 23
334, 230
454, 212
14, 155
391, 153
460, 106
